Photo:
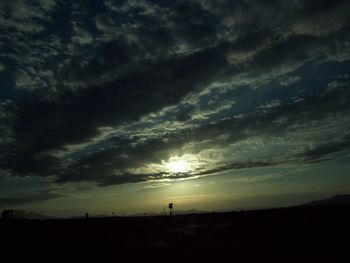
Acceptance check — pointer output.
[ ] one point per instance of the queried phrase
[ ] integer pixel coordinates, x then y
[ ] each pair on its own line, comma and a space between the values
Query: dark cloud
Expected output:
112, 165
322, 153
38, 197
326, 149
74, 117
192, 24
138, 58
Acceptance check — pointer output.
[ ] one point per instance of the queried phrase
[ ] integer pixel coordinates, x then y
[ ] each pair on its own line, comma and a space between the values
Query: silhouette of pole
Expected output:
170, 209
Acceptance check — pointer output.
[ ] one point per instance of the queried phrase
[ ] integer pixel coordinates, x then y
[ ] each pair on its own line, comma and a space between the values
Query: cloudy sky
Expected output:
123, 106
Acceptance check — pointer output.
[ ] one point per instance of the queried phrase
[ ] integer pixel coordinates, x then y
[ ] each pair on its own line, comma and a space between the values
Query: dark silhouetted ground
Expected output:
303, 234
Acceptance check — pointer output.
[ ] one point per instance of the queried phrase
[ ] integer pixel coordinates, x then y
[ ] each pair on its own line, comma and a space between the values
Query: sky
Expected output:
124, 106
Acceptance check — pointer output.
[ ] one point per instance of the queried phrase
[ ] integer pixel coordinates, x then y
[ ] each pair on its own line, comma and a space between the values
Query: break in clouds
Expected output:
110, 92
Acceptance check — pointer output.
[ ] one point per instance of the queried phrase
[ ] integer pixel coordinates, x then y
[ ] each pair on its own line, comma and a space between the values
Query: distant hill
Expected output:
38, 216
334, 200
176, 212
102, 215
189, 212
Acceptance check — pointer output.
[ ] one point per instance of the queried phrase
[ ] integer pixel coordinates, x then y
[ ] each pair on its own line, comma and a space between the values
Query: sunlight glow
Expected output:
178, 166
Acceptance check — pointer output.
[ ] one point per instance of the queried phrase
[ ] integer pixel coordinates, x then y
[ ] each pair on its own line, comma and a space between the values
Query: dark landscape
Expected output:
300, 234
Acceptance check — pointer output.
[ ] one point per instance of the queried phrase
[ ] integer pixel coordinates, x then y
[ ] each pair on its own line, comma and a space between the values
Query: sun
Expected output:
178, 166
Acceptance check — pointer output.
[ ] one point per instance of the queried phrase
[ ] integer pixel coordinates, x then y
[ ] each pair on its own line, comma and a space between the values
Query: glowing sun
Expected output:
178, 166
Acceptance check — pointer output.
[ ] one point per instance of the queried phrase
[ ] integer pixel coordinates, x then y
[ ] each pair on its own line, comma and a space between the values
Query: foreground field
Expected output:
281, 235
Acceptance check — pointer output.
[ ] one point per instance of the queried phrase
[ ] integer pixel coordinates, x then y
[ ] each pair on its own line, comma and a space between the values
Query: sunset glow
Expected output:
178, 166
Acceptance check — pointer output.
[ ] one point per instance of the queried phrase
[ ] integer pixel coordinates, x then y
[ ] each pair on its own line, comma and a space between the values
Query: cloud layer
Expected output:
108, 91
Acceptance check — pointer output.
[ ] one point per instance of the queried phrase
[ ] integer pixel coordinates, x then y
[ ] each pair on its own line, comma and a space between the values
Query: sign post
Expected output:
170, 209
